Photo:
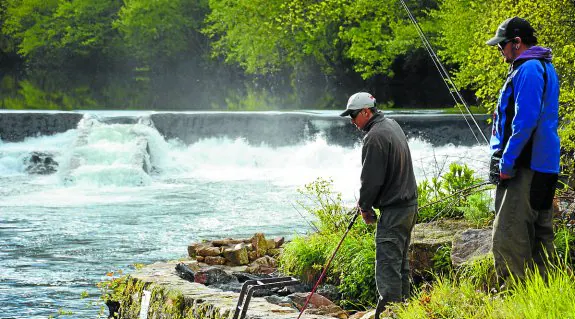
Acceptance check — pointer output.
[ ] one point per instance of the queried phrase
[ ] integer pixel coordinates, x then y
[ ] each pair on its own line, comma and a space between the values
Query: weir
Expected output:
270, 128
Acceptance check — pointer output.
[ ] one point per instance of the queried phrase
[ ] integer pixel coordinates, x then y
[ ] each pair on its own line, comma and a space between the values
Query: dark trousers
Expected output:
521, 234
391, 256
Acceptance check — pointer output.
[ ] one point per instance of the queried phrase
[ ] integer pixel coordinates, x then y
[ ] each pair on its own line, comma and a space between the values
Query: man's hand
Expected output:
368, 216
503, 176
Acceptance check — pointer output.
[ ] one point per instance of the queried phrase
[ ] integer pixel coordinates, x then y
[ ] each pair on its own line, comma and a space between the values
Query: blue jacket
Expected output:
527, 115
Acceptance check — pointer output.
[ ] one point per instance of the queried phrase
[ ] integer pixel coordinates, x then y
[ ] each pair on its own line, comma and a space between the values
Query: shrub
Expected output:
443, 196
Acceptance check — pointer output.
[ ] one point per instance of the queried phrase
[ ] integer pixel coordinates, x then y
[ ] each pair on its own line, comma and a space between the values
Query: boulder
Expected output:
229, 242
263, 265
278, 242
192, 249
237, 255
40, 163
215, 260
212, 275
259, 244
280, 301
252, 255
207, 250
470, 244
316, 301
426, 239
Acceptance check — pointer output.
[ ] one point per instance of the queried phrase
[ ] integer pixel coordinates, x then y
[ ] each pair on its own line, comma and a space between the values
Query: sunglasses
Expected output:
501, 45
354, 114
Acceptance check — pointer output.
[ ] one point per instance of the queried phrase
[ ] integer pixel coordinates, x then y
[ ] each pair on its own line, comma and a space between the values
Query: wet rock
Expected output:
40, 163
470, 244
211, 275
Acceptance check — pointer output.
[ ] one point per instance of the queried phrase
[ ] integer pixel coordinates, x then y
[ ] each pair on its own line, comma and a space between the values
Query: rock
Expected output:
252, 255
215, 260
274, 252
263, 265
237, 255
426, 240
278, 242
243, 276
192, 249
270, 243
359, 315
316, 300
470, 244
185, 272
331, 310
211, 275
280, 301
329, 291
40, 163
200, 259
229, 242
205, 250
260, 244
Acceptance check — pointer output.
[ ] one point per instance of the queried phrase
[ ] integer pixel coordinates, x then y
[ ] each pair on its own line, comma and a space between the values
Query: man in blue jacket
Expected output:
525, 147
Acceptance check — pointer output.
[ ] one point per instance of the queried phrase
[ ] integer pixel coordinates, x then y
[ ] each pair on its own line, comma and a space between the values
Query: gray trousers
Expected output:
391, 254
521, 234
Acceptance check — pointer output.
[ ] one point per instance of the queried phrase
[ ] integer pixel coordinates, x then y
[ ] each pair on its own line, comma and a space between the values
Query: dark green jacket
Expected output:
387, 178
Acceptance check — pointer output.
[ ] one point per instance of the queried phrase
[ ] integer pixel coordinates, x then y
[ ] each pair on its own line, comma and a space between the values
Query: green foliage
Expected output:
564, 243
54, 32
352, 269
478, 211
442, 260
160, 29
441, 196
460, 297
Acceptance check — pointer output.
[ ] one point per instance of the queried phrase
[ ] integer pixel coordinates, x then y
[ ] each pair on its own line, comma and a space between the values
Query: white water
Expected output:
101, 211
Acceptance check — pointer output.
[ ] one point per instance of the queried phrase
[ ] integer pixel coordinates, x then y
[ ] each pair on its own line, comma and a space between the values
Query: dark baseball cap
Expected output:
511, 28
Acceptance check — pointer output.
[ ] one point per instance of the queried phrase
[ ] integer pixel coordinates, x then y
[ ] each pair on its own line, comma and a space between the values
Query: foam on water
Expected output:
123, 194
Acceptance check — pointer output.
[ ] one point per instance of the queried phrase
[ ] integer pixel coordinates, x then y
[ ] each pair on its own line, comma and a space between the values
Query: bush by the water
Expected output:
457, 193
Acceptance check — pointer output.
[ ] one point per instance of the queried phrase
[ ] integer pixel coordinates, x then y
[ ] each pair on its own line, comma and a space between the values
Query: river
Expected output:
124, 194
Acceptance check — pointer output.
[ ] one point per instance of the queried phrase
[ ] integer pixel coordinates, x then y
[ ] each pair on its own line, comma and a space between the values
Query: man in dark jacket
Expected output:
387, 183
525, 148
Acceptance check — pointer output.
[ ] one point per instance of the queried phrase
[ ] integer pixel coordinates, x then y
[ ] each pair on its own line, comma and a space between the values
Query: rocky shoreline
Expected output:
207, 284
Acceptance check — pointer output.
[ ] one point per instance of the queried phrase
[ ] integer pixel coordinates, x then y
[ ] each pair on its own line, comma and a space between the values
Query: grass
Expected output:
464, 296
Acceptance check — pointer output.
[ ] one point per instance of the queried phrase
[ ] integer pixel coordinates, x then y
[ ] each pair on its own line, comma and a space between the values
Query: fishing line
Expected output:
445, 76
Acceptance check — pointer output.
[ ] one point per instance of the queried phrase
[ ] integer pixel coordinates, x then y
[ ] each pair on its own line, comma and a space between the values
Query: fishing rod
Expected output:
355, 213
445, 76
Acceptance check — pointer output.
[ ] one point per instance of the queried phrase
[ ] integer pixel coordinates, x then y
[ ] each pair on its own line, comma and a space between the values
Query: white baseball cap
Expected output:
358, 101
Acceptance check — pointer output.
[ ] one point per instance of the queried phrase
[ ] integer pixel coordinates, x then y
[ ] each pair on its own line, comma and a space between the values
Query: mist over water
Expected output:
123, 194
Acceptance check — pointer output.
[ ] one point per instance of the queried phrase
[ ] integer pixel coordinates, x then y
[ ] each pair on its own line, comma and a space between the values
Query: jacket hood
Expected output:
536, 52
